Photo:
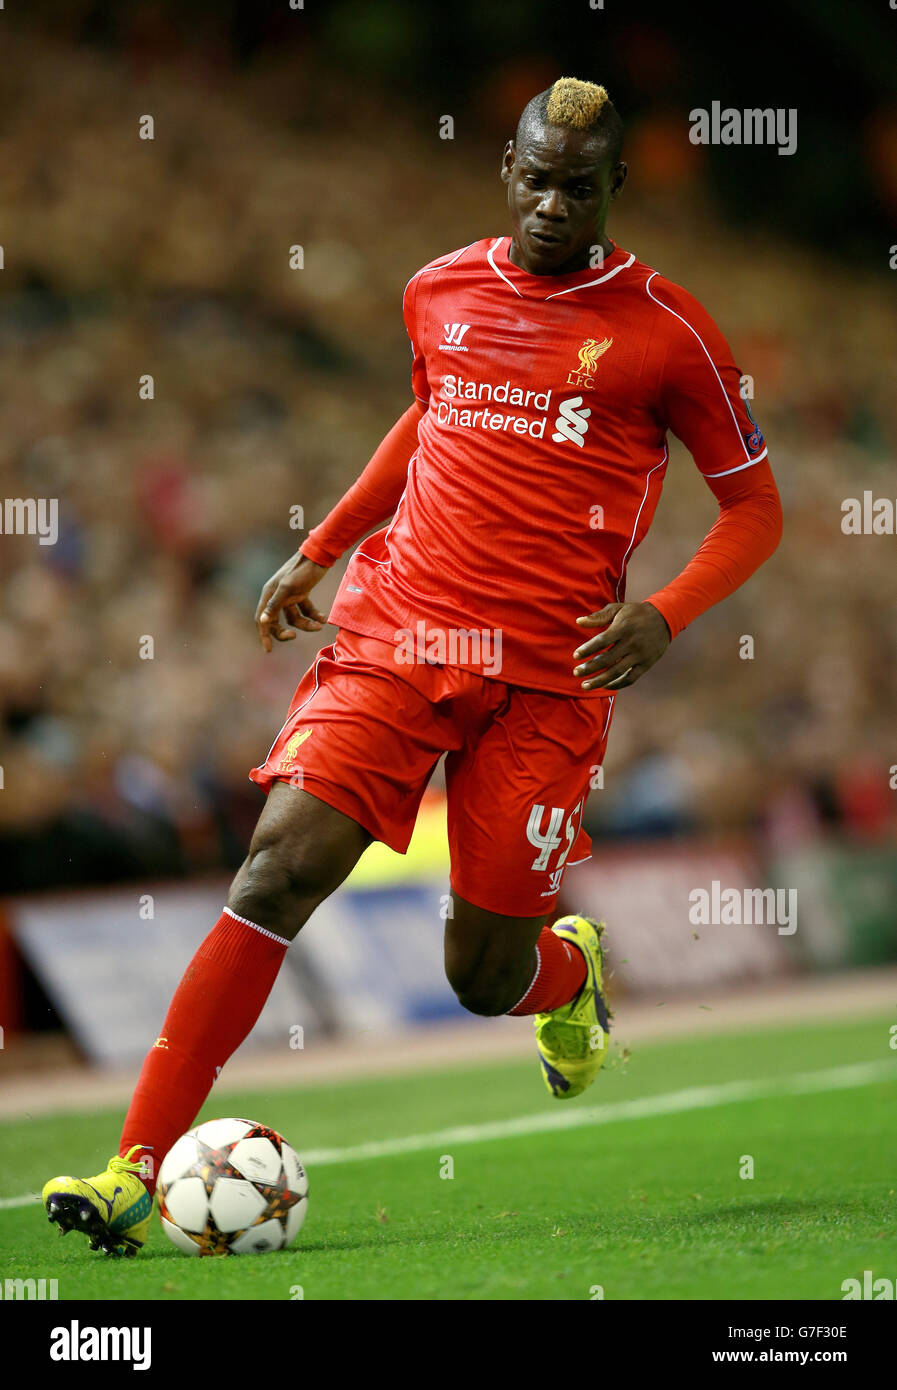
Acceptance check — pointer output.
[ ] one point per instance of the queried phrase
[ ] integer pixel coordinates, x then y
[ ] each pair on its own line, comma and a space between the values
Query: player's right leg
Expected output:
301, 851
350, 764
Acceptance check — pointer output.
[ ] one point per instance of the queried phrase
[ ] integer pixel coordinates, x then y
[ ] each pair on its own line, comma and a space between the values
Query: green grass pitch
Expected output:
646, 1206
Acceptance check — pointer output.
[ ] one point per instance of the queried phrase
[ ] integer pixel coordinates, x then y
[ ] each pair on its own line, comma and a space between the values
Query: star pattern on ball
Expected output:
279, 1196
211, 1165
214, 1171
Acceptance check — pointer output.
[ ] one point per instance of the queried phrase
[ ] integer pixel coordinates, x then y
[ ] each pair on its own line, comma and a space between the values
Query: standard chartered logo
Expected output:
473, 412
572, 422
464, 405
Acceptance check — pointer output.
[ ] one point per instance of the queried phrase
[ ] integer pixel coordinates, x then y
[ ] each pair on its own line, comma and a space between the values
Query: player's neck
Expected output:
583, 260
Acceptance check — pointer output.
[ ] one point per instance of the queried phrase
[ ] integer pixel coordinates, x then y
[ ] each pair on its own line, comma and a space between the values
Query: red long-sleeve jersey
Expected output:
535, 466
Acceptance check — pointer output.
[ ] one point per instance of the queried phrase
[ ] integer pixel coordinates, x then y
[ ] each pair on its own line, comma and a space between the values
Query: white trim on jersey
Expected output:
600, 281
726, 471
302, 706
504, 277
557, 293
609, 712
666, 455
713, 366
441, 264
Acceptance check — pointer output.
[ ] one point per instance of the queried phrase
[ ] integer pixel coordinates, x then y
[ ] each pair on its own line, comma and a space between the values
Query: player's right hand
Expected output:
285, 597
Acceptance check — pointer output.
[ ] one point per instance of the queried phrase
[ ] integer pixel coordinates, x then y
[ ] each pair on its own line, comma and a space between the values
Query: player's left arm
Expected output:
702, 404
636, 635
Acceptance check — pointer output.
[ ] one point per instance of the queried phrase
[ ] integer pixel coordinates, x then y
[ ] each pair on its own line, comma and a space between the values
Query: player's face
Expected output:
560, 185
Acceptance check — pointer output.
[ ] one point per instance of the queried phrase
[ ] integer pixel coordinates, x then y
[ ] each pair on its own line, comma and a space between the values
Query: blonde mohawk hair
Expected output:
575, 103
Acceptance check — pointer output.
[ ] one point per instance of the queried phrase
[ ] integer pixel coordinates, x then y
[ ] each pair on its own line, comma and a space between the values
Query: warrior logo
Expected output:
454, 337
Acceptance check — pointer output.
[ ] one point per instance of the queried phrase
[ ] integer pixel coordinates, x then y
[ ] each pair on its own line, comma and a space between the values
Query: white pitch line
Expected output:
670, 1103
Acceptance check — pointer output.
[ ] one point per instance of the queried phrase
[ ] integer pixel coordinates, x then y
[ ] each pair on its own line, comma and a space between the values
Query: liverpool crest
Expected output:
589, 353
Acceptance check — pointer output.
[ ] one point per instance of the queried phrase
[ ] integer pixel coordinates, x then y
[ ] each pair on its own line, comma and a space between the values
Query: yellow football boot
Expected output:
113, 1209
573, 1039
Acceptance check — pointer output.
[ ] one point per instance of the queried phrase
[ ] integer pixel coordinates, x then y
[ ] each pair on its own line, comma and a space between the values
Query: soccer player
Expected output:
486, 622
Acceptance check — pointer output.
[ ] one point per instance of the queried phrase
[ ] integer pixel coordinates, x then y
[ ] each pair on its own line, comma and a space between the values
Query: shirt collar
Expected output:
528, 286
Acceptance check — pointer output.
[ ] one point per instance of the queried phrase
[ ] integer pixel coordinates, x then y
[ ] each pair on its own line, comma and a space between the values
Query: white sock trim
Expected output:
255, 927
531, 983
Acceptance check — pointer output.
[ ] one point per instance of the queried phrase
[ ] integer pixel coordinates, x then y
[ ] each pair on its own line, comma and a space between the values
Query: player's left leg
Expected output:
515, 965
492, 961
516, 796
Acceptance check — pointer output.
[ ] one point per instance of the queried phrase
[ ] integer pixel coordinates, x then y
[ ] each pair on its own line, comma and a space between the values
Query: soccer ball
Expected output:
229, 1187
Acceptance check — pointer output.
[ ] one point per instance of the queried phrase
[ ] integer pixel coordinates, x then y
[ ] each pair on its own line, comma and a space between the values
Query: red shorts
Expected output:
365, 732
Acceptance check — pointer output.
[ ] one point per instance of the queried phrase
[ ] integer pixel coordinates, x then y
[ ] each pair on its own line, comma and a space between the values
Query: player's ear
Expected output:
618, 178
507, 161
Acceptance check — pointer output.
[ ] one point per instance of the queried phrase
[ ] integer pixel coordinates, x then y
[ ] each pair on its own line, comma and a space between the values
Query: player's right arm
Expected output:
285, 604
370, 501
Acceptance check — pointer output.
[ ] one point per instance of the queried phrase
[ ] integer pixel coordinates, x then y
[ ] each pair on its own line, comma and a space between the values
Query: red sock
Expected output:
560, 975
214, 1008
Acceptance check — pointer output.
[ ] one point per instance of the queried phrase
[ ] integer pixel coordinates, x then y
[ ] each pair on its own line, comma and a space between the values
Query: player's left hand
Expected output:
635, 636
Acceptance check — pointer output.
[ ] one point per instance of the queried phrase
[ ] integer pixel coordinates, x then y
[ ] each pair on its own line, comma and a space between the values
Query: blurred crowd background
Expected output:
171, 257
